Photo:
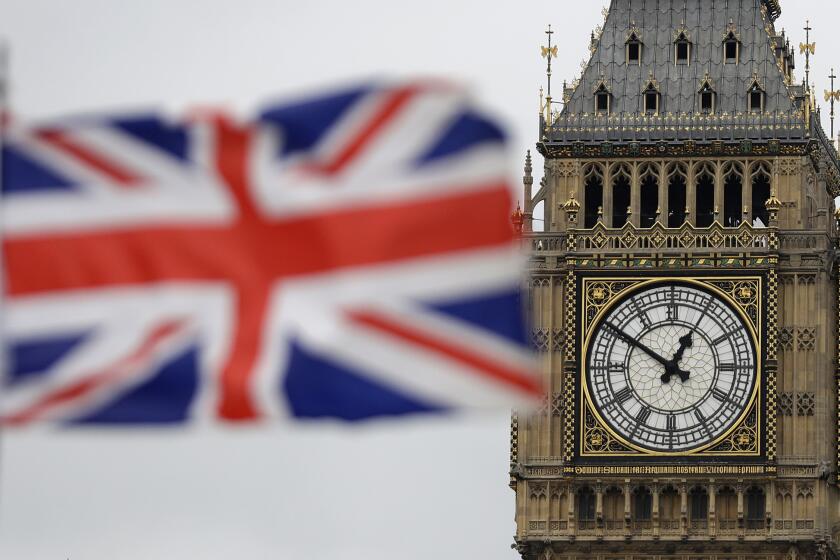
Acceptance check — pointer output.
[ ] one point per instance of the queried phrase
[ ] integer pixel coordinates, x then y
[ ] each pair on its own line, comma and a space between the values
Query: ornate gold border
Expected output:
740, 304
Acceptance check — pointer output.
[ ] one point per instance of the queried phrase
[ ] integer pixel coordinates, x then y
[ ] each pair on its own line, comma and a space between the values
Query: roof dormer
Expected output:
651, 96
603, 98
755, 95
731, 44
706, 95
633, 46
682, 45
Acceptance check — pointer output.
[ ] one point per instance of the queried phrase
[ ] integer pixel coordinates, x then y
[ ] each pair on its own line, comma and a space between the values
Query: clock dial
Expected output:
671, 367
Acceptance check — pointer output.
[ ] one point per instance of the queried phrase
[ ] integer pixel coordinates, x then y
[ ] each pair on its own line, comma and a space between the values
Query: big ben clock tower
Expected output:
684, 297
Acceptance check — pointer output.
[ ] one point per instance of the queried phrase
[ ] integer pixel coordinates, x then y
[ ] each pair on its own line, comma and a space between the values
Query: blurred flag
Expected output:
346, 256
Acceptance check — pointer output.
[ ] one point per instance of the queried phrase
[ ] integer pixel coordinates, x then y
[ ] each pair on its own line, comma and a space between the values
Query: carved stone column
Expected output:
718, 191
608, 194
691, 194
746, 194
571, 514
599, 502
712, 514
635, 196
627, 504
654, 488
528, 202
663, 194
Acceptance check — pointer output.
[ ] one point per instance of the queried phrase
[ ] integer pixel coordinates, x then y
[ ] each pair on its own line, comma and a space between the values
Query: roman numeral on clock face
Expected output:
643, 415
673, 309
623, 395
720, 395
722, 338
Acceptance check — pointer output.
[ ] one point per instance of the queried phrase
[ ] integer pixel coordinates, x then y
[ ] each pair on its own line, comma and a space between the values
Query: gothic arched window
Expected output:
614, 508
649, 191
704, 202
755, 502
677, 208
651, 97
755, 98
634, 49
760, 194
706, 97
641, 505
731, 46
698, 506
586, 508
726, 509
733, 180
603, 100
682, 49
593, 185
620, 196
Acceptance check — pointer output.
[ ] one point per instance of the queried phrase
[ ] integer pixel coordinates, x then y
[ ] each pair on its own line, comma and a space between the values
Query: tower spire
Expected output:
807, 48
528, 183
831, 95
548, 52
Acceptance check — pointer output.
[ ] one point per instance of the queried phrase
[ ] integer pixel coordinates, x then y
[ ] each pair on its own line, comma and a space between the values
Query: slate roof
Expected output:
706, 22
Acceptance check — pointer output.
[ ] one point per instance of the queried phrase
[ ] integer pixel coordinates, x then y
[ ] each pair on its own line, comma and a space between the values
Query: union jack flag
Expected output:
345, 256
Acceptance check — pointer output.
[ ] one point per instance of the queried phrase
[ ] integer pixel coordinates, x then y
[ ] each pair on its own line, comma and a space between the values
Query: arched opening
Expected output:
602, 100
539, 216
614, 509
783, 511
585, 508
755, 98
620, 197
726, 509
755, 505
760, 194
676, 197
634, 50
704, 203
649, 198
669, 510
641, 508
651, 100
707, 98
730, 48
594, 195
682, 49
698, 509
732, 195
562, 509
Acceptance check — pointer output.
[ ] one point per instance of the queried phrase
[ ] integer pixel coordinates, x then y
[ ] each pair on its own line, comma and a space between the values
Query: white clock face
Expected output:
671, 367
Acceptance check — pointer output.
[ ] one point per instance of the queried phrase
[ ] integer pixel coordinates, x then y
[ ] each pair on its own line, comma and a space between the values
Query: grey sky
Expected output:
412, 490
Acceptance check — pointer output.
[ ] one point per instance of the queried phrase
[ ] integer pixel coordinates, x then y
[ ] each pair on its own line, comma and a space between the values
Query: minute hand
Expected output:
630, 340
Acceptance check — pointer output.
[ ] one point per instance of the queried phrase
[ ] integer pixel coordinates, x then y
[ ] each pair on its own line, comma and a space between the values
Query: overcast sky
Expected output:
413, 489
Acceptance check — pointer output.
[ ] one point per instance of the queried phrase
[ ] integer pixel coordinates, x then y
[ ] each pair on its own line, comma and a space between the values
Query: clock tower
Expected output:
684, 296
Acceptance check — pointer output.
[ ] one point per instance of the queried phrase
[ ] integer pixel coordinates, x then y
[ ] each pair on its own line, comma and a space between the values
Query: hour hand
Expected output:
633, 342
685, 342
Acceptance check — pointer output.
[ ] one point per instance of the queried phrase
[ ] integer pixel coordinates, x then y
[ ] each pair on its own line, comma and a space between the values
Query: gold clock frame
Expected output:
599, 294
